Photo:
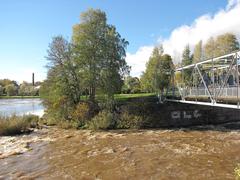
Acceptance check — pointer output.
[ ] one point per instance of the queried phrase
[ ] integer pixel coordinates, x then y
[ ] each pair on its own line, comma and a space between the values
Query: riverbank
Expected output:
210, 152
18, 97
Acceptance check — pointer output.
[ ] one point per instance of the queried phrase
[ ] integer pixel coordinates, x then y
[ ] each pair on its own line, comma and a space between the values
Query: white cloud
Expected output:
225, 20
138, 60
205, 26
232, 3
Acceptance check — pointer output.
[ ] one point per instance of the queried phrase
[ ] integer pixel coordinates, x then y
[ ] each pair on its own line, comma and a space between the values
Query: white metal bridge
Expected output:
213, 82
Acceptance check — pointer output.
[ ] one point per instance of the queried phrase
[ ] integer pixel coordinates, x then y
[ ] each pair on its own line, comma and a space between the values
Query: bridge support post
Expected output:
237, 78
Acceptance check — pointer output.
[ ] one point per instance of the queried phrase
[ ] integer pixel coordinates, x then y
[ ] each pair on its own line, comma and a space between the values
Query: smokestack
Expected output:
33, 79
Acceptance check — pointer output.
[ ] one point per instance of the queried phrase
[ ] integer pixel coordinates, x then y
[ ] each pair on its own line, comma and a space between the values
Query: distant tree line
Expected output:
12, 88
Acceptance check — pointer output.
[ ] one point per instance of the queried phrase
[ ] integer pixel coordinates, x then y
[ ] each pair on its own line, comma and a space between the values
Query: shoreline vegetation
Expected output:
120, 119
19, 97
15, 125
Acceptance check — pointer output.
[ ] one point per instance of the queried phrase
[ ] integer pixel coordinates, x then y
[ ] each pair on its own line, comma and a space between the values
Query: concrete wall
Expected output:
181, 114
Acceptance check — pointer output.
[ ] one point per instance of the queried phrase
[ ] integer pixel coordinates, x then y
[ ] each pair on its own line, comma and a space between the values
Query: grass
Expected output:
15, 125
123, 97
18, 97
129, 97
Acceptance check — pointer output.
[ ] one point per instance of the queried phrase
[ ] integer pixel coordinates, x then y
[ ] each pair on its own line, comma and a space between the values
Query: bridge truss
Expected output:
213, 82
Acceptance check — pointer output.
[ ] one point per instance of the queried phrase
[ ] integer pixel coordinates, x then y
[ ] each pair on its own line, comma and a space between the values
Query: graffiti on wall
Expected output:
185, 114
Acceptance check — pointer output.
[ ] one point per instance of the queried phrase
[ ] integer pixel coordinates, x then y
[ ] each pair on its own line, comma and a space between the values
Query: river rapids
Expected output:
211, 152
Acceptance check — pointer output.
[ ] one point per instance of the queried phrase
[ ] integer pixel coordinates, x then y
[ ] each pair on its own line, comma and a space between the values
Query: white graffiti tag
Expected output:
185, 114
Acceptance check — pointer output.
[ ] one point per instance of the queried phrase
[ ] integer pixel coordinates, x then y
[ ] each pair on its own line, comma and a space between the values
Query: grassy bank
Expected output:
15, 125
18, 97
132, 96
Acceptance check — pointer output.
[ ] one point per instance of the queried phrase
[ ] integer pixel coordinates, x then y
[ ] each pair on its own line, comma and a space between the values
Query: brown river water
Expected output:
52, 153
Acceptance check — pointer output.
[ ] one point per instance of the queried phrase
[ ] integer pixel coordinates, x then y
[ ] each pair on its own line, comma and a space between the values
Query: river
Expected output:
212, 152
21, 106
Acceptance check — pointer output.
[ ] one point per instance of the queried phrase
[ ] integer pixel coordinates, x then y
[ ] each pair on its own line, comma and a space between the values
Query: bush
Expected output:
32, 120
17, 124
82, 113
65, 124
103, 120
129, 121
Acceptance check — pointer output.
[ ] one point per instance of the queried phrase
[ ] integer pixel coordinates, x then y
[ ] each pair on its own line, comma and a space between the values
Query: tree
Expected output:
61, 90
198, 52
225, 44
157, 75
5, 82
148, 78
164, 72
94, 61
11, 90
99, 53
131, 85
1, 90
27, 89
187, 59
88, 40
209, 48
114, 66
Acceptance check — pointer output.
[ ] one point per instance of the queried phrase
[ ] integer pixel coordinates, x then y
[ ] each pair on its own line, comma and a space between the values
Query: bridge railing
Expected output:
215, 79
225, 92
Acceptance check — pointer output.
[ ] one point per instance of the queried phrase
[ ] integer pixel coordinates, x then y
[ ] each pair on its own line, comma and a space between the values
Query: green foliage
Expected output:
1, 90
187, 59
159, 69
70, 124
11, 90
209, 49
103, 120
226, 43
129, 121
94, 62
17, 124
83, 112
222, 44
99, 53
61, 90
131, 85
27, 89
198, 52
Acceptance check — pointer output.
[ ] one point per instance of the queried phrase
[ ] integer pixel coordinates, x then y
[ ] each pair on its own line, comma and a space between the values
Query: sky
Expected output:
27, 27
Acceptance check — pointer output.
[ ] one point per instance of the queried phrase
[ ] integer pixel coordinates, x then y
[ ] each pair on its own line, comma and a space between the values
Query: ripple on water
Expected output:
159, 154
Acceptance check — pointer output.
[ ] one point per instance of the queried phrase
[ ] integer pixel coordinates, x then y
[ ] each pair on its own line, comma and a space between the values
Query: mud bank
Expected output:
202, 153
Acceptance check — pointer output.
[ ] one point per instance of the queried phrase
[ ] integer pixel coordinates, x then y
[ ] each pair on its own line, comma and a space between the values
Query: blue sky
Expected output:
27, 26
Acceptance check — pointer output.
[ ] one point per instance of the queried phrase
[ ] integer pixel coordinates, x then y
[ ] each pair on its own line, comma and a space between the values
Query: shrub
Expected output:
82, 113
131, 121
65, 124
237, 171
31, 119
103, 120
16, 124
